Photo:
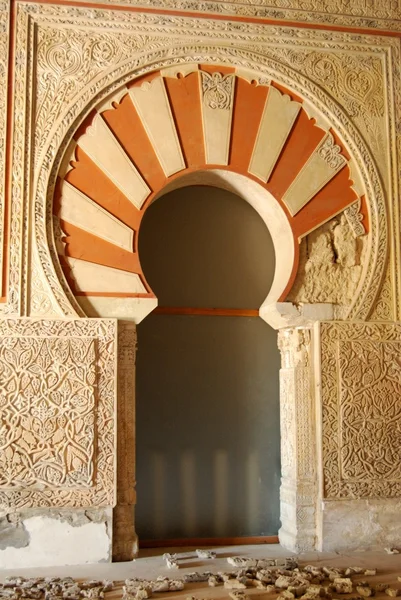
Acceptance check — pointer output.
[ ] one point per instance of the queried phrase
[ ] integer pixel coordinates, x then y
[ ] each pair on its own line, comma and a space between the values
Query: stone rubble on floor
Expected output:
53, 588
281, 576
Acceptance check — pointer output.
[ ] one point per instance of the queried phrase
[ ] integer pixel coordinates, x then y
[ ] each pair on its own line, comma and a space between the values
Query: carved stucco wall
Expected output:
58, 397
57, 438
69, 58
359, 416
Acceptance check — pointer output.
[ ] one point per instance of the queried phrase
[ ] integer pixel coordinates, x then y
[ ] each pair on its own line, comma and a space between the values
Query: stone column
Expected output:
125, 540
298, 492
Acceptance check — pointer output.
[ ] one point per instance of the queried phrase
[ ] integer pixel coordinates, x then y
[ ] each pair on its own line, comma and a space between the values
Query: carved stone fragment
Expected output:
238, 595
234, 584
215, 580
140, 592
286, 595
343, 585
365, 591
197, 577
242, 561
381, 587
206, 554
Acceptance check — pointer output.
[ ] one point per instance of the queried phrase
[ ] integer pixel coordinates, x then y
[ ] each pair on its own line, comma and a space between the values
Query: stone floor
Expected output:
150, 565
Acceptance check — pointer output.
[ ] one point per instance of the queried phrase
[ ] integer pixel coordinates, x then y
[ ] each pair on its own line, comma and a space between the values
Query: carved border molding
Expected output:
53, 387
375, 14
298, 491
99, 66
4, 44
360, 388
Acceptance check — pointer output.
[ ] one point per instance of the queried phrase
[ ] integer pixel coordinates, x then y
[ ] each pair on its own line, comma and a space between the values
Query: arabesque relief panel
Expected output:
360, 391
48, 412
58, 401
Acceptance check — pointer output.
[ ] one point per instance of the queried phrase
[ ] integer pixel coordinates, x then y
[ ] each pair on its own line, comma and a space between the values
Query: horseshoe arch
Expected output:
203, 124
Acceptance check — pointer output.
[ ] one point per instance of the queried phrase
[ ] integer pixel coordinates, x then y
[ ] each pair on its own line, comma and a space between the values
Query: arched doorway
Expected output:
118, 163
208, 433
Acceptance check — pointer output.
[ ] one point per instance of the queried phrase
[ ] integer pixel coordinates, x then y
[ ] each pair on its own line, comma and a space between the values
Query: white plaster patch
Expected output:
54, 543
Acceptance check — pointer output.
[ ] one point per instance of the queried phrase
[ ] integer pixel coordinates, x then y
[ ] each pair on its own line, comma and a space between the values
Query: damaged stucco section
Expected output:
39, 538
13, 533
330, 265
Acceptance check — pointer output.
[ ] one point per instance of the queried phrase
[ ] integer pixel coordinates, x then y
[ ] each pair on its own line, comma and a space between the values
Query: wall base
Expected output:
360, 524
46, 538
297, 542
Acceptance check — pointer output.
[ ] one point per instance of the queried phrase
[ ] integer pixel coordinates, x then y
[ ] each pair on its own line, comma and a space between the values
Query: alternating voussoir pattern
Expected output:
182, 120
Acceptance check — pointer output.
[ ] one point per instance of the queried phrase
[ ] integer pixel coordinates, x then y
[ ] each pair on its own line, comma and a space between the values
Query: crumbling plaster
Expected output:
40, 538
330, 265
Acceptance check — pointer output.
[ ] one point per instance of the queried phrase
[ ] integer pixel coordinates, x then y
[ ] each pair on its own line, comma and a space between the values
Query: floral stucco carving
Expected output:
48, 404
354, 218
356, 81
218, 90
58, 396
360, 390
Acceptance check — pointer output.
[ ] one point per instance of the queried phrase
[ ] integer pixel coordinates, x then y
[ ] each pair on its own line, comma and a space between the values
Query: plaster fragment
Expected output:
206, 554
343, 585
241, 561
365, 591
215, 580
286, 595
140, 592
234, 584
238, 595
196, 577
381, 587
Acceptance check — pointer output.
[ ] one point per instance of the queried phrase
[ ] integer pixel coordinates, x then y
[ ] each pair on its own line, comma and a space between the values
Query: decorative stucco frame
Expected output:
68, 59
264, 58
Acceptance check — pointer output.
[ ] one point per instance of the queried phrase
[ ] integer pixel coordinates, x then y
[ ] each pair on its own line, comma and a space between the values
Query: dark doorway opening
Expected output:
208, 438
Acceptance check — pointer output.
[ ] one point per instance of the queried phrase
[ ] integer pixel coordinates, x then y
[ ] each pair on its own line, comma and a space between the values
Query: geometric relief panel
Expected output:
361, 409
57, 411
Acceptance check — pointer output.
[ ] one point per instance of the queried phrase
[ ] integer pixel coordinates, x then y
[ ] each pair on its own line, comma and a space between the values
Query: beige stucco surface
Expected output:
338, 491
